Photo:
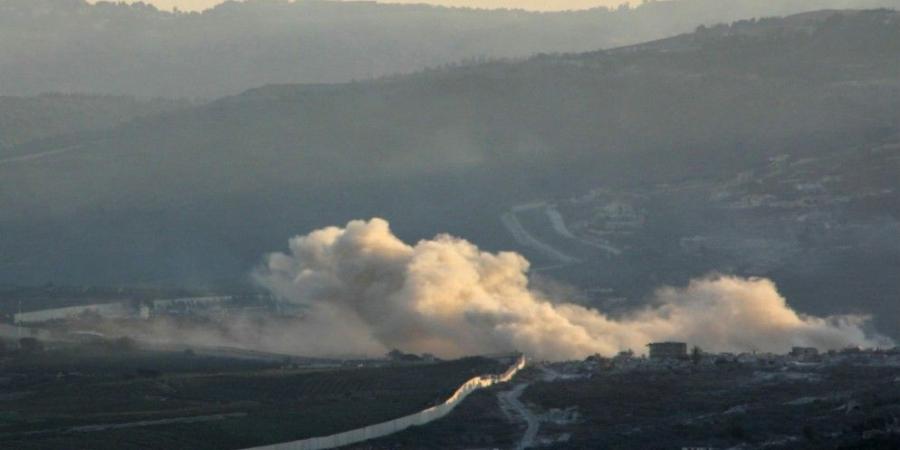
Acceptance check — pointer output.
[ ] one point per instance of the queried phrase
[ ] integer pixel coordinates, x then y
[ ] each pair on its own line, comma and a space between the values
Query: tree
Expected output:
809, 432
30, 345
696, 355
124, 344
736, 430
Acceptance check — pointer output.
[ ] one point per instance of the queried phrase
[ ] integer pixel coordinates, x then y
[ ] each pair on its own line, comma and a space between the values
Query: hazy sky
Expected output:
541, 5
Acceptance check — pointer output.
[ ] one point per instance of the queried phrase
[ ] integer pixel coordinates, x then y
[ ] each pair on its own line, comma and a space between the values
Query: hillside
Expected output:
26, 119
729, 101
111, 48
196, 196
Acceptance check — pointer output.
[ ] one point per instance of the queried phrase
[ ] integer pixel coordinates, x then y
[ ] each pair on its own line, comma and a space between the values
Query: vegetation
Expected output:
450, 150
199, 402
722, 408
115, 48
62, 120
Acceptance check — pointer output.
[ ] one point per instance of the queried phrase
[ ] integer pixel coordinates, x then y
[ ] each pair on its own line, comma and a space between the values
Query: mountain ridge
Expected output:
196, 196
138, 50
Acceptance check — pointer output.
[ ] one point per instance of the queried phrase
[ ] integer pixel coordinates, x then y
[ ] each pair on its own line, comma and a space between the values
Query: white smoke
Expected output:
447, 297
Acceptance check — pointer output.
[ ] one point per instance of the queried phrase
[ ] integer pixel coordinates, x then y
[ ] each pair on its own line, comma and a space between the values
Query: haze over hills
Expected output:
283, 224
532, 5
73, 46
197, 195
27, 119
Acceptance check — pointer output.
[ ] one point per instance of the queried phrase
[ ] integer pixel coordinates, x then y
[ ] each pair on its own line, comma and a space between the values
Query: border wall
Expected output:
393, 426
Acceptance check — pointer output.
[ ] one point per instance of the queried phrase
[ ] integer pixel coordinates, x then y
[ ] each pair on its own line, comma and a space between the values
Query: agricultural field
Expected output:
736, 406
91, 398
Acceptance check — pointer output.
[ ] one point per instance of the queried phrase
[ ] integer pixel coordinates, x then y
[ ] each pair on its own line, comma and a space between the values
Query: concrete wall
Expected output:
392, 426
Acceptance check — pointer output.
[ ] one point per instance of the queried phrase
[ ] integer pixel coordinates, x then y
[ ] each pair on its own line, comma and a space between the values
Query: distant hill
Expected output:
198, 194
110, 48
26, 119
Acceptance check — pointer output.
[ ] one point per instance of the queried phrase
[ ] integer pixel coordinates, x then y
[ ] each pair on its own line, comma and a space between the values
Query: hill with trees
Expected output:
195, 196
114, 48
68, 116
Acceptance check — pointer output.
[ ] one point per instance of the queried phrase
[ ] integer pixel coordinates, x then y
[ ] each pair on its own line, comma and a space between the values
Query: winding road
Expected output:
512, 400
526, 239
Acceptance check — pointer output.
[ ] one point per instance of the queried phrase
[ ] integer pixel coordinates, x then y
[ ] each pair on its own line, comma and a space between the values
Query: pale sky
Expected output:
537, 5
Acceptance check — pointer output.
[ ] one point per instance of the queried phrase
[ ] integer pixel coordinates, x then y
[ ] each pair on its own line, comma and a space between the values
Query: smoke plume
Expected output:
366, 291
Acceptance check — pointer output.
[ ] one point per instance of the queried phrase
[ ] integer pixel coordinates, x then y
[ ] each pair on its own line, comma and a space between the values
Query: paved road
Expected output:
36, 156
526, 239
140, 423
512, 399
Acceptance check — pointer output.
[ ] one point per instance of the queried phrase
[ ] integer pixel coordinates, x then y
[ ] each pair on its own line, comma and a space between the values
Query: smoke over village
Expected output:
366, 287
449, 224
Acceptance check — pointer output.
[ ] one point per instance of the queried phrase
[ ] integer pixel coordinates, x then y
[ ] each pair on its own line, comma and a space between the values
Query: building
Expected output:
668, 350
119, 310
805, 353
188, 305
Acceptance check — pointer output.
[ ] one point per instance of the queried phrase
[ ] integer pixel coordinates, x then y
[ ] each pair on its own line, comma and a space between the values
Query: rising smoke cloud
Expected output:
367, 291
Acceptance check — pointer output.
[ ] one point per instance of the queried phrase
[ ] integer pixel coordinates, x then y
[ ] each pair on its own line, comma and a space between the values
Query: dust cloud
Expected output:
367, 291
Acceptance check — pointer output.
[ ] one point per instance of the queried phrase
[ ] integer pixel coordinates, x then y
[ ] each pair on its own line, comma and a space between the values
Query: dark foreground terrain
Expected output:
117, 394
841, 402
109, 396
